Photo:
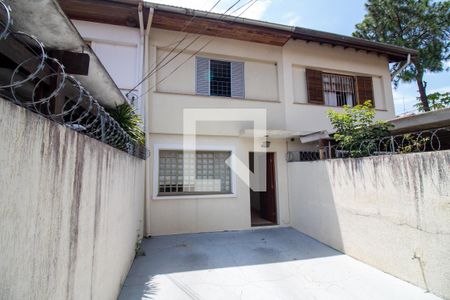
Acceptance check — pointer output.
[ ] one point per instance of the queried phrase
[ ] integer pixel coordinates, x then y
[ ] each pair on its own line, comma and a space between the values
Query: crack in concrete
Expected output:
379, 216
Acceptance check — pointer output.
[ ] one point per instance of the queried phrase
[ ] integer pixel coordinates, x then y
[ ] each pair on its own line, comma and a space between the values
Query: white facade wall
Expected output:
188, 214
274, 81
391, 212
71, 210
299, 55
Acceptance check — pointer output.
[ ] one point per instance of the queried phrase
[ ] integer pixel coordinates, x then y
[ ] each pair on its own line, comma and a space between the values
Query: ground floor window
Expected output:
193, 173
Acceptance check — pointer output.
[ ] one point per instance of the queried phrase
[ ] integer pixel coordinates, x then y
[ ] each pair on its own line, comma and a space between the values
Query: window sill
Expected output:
330, 106
211, 196
218, 97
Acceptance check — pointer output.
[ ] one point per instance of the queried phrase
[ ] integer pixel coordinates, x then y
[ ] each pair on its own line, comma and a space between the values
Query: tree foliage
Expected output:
355, 125
131, 122
423, 25
435, 101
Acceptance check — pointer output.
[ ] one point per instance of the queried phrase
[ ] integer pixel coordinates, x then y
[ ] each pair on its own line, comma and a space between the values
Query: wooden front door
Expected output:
267, 208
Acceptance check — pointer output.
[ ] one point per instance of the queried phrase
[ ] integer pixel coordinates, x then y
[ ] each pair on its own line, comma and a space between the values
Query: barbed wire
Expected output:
419, 141
40, 83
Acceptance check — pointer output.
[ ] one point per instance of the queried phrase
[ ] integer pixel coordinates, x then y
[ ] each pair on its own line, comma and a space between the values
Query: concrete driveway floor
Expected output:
279, 263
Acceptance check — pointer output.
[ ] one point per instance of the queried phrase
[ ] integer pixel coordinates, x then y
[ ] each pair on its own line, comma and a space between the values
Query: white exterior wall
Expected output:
171, 96
187, 214
299, 55
391, 212
71, 209
274, 80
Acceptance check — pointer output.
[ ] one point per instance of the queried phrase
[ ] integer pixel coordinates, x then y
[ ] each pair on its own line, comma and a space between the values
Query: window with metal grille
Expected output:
220, 80
193, 173
338, 90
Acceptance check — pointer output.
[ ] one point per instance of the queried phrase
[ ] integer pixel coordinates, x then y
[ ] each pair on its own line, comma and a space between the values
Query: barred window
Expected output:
220, 83
219, 78
338, 90
193, 173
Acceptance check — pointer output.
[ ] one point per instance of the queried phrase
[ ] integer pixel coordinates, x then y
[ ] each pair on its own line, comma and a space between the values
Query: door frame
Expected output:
275, 189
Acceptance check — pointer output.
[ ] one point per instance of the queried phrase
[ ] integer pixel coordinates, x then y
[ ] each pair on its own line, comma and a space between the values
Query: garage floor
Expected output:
271, 264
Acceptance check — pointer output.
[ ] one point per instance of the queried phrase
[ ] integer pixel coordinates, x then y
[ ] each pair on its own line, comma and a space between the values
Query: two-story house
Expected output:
219, 74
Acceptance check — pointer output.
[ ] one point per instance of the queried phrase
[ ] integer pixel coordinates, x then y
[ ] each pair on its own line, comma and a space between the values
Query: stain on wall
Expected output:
392, 212
71, 209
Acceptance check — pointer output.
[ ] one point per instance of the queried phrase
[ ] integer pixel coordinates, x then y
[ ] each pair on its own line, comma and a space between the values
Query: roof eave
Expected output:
394, 53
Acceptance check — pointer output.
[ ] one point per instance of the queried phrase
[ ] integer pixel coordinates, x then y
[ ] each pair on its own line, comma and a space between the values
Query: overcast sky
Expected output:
327, 15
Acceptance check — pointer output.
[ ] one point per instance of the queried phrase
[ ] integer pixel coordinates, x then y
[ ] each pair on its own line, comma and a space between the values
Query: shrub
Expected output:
131, 122
356, 128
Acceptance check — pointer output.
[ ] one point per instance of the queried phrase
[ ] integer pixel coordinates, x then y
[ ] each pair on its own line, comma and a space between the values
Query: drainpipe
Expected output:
144, 102
146, 61
141, 53
408, 61
141, 20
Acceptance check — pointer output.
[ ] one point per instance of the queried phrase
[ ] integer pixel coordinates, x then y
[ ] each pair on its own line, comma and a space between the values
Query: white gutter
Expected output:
140, 61
145, 84
144, 104
396, 72
141, 20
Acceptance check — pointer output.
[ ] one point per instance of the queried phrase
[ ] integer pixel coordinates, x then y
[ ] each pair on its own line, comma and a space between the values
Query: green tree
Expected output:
436, 101
423, 25
355, 127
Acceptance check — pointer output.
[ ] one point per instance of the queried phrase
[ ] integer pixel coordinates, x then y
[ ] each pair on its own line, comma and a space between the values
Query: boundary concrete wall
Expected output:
71, 209
392, 212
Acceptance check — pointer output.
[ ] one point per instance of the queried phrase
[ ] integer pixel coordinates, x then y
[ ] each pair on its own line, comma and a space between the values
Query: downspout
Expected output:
396, 72
145, 106
141, 53
146, 62
141, 20
142, 113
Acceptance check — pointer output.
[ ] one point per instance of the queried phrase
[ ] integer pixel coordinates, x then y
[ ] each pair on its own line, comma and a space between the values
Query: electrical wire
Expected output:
157, 68
193, 41
198, 51
174, 47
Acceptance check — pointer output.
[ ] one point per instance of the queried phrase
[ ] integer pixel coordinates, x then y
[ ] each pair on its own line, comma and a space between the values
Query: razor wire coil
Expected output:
41, 84
413, 142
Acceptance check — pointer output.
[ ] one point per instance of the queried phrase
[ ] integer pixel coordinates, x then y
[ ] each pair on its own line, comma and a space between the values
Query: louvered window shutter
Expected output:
202, 76
365, 89
314, 86
237, 80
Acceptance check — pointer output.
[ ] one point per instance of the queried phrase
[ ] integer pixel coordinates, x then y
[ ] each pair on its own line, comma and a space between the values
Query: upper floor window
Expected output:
219, 78
338, 90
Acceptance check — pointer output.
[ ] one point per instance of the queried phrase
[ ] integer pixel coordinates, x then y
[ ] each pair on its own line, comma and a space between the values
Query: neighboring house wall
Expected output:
391, 212
119, 49
71, 210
